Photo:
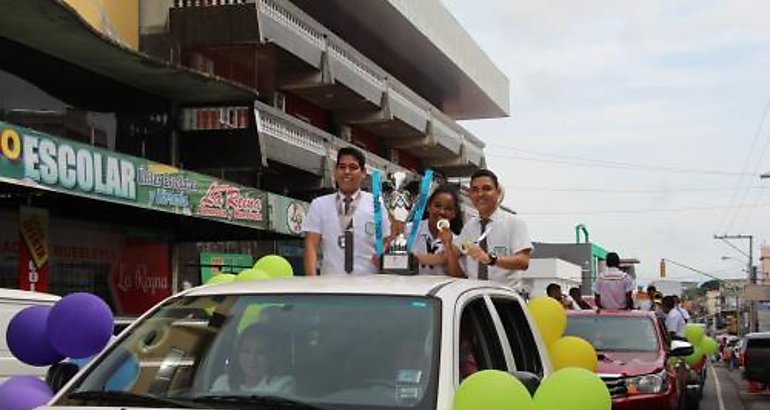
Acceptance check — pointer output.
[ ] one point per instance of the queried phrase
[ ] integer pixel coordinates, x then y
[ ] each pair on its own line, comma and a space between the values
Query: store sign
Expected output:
286, 214
33, 252
32, 158
215, 263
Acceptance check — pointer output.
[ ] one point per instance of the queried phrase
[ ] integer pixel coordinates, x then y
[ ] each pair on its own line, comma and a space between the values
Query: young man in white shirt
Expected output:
675, 322
342, 223
497, 244
613, 288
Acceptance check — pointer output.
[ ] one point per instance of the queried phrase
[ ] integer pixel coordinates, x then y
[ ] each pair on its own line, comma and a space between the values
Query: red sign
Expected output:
142, 276
33, 249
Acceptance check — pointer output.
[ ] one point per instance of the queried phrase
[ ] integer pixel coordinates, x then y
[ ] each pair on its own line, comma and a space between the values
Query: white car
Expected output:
336, 342
12, 301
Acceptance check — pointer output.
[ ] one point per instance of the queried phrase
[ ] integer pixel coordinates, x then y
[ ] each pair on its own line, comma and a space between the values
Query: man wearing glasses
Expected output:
494, 245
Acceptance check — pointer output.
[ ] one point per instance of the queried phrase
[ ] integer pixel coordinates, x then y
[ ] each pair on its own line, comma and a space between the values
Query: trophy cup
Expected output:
404, 203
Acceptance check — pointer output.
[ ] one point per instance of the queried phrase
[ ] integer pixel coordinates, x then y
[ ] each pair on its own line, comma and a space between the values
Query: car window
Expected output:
479, 347
519, 334
335, 351
615, 333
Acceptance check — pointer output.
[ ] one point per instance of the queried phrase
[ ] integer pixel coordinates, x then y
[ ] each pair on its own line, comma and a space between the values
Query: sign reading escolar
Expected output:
59, 164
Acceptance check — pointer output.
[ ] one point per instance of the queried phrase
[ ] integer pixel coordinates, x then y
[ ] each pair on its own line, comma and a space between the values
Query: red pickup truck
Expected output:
636, 359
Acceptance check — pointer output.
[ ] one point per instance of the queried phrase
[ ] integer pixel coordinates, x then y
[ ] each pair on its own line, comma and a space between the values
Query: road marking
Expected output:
719, 388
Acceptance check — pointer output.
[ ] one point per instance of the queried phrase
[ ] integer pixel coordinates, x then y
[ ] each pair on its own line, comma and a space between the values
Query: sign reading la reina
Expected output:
56, 163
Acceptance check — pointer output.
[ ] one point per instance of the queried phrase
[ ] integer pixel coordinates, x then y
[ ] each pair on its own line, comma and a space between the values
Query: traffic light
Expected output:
662, 268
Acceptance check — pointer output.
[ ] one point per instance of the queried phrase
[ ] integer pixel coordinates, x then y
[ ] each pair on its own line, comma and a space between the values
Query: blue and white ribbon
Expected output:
377, 193
422, 200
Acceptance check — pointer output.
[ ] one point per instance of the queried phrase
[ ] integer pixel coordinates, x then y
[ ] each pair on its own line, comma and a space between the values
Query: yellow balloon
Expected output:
221, 278
251, 274
492, 390
275, 266
571, 351
549, 316
250, 316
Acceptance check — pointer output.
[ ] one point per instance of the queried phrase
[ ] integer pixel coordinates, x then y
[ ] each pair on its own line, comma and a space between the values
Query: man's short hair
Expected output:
353, 152
651, 290
485, 173
613, 260
552, 287
668, 301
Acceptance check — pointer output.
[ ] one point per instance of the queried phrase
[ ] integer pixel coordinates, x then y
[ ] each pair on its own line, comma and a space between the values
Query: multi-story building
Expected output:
145, 143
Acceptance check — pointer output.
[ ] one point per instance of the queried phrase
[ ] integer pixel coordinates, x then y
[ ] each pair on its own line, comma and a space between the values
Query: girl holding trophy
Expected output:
442, 218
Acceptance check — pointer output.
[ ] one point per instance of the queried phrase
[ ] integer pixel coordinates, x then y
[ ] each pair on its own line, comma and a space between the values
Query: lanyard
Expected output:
376, 193
346, 219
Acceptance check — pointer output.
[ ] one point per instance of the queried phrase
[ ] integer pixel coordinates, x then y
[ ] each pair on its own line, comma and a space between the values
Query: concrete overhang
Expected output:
54, 28
423, 45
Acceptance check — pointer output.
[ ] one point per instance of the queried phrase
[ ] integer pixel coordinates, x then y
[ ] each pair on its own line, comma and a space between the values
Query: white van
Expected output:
11, 302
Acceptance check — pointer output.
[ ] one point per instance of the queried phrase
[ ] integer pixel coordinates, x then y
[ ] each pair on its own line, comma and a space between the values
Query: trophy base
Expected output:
398, 264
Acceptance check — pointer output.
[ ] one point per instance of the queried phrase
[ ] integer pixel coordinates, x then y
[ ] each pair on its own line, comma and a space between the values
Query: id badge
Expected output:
341, 241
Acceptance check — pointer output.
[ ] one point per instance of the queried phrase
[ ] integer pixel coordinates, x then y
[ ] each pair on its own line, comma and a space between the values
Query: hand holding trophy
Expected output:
403, 206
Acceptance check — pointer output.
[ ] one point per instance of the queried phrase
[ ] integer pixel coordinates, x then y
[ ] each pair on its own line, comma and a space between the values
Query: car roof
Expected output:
396, 285
612, 313
26, 295
758, 335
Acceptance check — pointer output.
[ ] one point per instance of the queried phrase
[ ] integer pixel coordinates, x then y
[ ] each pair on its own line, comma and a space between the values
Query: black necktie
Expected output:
482, 272
348, 237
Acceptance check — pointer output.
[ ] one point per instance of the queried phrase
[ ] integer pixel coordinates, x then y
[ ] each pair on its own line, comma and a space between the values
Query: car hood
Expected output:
103, 408
629, 363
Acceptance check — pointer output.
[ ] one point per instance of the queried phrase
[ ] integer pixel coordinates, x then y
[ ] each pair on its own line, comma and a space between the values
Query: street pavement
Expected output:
730, 392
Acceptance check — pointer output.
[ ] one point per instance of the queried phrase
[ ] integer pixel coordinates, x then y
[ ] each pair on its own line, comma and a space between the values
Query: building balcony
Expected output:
312, 62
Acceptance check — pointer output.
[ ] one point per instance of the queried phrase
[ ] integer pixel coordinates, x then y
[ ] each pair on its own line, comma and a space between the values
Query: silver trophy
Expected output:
399, 200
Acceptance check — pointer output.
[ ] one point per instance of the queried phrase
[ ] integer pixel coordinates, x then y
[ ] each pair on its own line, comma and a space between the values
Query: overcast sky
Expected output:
645, 120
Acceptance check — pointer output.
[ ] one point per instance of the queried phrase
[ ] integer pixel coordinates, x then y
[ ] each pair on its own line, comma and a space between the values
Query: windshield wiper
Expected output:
270, 402
124, 397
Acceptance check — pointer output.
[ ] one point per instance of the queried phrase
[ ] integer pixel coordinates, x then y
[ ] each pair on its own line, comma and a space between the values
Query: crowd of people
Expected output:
494, 245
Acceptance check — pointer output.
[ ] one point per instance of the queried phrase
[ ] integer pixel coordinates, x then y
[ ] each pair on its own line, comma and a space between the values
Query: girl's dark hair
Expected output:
456, 224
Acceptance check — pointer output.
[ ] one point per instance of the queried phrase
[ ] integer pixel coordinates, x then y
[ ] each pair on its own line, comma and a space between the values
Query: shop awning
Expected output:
53, 28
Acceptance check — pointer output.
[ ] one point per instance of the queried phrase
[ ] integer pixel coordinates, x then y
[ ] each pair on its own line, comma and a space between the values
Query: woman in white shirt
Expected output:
443, 203
252, 369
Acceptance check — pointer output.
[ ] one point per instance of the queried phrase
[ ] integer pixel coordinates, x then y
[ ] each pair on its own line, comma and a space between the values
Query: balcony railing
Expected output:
207, 3
293, 20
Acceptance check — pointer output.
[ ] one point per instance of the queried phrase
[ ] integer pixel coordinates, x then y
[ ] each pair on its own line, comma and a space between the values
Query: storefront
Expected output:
76, 217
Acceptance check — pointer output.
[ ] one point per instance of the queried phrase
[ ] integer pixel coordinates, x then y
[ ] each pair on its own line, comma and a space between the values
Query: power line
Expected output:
624, 191
747, 161
633, 211
594, 163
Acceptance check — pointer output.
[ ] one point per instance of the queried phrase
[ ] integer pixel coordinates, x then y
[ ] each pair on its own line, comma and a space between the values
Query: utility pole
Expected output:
751, 278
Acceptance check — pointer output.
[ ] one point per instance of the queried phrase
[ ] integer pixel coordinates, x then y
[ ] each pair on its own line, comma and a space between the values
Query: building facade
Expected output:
149, 144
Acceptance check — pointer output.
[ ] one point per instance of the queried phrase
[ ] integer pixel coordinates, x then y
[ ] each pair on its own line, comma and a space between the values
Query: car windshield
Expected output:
615, 333
326, 351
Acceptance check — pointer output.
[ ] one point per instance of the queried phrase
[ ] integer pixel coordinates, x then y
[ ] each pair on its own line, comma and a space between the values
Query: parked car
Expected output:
634, 352
756, 357
378, 341
11, 302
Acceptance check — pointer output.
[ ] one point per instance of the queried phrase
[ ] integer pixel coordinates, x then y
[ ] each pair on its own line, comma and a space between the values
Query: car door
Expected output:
524, 347
477, 343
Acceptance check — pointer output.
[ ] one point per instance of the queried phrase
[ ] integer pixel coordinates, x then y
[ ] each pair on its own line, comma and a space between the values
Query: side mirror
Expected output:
60, 373
681, 349
530, 380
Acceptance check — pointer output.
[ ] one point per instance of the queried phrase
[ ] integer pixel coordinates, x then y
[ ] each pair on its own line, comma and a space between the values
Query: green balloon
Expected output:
492, 390
694, 333
709, 346
251, 274
695, 357
275, 266
221, 278
572, 388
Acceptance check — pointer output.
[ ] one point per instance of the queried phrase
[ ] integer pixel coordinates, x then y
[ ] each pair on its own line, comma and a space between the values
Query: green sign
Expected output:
35, 159
286, 214
216, 263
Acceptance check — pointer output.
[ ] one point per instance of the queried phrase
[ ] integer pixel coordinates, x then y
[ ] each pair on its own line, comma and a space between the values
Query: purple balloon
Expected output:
80, 325
24, 393
27, 339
